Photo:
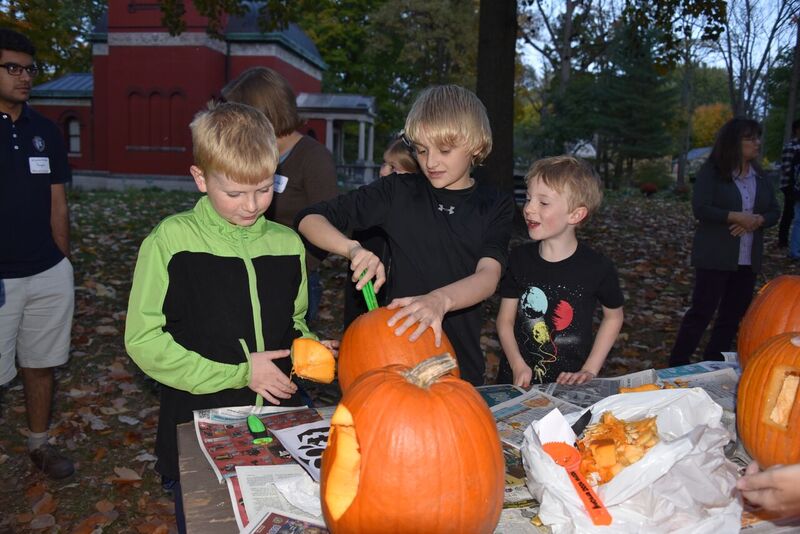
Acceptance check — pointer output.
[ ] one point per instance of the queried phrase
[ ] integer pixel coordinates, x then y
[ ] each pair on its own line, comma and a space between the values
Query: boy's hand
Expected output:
362, 260
333, 346
428, 310
776, 489
522, 375
266, 379
575, 378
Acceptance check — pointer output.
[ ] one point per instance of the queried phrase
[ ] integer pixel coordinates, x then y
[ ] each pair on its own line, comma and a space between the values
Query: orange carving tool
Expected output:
569, 458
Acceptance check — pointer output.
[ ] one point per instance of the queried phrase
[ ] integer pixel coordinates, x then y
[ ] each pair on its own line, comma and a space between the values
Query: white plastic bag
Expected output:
683, 484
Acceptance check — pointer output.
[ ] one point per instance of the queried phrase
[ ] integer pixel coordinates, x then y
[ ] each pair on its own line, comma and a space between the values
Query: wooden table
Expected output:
206, 502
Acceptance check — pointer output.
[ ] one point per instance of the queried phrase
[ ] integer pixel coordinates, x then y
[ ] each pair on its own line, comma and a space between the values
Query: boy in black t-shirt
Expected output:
550, 291
447, 233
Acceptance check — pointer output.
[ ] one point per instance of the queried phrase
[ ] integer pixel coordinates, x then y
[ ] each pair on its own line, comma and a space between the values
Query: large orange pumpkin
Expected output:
768, 404
775, 310
369, 343
412, 451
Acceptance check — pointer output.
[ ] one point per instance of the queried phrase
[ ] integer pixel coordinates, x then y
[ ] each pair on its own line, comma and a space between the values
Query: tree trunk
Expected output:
687, 104
497, 39
790, 107
566, 47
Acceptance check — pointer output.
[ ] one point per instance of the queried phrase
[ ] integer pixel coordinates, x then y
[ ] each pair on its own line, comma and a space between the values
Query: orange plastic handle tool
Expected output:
569, 458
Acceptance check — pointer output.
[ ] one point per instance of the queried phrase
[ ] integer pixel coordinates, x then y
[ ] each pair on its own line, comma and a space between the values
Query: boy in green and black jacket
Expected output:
219, 292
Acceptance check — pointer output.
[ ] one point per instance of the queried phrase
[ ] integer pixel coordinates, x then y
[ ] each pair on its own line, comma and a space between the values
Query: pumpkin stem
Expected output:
429, 371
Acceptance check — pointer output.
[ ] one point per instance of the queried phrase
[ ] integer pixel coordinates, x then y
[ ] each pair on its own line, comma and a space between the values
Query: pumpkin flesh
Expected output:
313, 360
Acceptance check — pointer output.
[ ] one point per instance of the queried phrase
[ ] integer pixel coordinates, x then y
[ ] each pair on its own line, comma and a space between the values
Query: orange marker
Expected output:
569, 458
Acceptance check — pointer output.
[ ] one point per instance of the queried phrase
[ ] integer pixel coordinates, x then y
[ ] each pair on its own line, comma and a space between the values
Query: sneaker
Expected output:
51, 462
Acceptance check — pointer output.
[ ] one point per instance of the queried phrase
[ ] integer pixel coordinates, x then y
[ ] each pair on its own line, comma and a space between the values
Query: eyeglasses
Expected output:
15, 69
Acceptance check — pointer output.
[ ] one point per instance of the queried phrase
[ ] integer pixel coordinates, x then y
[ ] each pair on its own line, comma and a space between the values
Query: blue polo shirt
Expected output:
32, 157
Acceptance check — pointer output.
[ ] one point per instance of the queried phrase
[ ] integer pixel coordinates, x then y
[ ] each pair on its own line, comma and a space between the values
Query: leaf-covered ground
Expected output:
106, 410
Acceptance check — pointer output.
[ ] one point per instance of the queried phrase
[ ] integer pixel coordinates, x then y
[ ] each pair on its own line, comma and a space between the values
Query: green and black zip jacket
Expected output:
207, 293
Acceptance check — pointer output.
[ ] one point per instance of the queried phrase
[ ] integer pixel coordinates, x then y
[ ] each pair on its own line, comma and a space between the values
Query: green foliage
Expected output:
634, 101
674, 21
710, 85
58, 30
777, 88
655, 172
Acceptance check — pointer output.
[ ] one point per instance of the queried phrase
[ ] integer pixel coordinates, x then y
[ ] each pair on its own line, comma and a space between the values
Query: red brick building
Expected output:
129, 118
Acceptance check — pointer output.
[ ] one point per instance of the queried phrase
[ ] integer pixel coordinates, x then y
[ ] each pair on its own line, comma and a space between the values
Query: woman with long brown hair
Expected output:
733, 202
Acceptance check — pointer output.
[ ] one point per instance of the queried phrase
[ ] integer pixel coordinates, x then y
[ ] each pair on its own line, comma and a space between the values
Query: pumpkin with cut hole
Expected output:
768, 402
775, 310
312, 360
412, 451
369, 343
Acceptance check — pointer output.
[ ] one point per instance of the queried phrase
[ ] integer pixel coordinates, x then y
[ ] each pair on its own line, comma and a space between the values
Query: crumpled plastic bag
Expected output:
683, 484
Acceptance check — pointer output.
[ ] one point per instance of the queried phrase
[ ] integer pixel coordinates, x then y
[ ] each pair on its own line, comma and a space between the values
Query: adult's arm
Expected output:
59, 217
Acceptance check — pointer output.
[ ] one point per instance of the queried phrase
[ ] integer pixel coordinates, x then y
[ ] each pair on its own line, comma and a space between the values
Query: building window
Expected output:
74, 136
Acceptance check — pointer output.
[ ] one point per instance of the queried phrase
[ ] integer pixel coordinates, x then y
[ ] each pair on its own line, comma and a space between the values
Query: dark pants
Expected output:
728, 293
786, 218
174, 487
314, 295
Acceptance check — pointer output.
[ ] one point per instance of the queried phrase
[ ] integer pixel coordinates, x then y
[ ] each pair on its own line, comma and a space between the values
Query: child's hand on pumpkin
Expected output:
776, 489
366, 265
266, 379
428, 310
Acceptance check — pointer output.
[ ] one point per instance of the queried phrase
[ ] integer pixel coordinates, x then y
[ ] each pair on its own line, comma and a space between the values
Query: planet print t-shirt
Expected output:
557, 305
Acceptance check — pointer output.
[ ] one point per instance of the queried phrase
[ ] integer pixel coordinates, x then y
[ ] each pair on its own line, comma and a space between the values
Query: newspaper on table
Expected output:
274, 521
593, 391
720, 385
255, 489
696, 369
514, 415
226, 442
495, 394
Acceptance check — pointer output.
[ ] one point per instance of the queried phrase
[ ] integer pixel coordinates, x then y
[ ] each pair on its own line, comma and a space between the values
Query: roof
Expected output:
245, 29
701, 152
336, 102
76, 85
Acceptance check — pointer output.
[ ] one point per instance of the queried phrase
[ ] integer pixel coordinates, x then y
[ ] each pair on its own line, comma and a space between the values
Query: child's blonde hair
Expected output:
571, 177
235, 140
449, 115
269, 92
398, 150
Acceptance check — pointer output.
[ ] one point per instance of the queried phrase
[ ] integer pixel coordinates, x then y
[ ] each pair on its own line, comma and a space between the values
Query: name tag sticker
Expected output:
280, 182
39, 165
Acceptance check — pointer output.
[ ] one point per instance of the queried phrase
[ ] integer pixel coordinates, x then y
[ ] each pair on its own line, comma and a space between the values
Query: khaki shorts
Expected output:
36, 320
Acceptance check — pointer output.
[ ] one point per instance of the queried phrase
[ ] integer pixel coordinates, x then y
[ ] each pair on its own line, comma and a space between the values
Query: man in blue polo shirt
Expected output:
36, 280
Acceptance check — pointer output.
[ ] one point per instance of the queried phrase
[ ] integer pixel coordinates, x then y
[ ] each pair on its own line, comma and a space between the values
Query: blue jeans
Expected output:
794, 242
314, 296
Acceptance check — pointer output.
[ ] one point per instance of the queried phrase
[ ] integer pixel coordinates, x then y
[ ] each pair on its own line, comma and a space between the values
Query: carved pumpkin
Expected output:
775, 310
312, 360
412, 451
768, 404
369, 343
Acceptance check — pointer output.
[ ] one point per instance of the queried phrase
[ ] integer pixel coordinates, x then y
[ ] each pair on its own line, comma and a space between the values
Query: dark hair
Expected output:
16, 42
795, 125
726, 155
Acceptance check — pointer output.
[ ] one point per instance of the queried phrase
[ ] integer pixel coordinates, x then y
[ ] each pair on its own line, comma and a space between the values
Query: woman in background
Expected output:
733, 202
306, 171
